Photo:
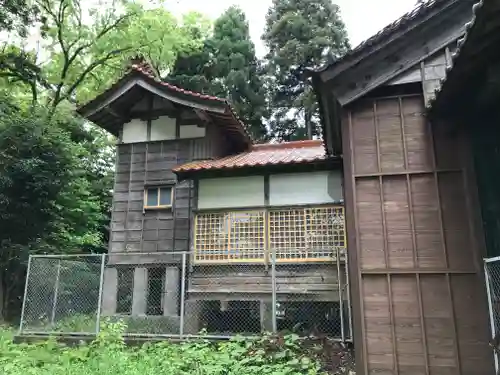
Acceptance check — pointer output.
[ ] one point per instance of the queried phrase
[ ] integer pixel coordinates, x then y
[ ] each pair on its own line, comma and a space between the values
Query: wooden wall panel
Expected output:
427, 222
398, 235
365, 153
421, 307
370, 236
390, 137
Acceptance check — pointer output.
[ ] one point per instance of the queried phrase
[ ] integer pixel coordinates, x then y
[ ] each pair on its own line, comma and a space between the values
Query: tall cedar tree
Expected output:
227, 67
299, 34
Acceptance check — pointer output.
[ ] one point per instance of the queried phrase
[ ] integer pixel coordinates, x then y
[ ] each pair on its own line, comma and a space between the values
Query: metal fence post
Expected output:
99, 302
273, 294
56, 292
349, 307
183, 294
341, 293
25, 294
490, 310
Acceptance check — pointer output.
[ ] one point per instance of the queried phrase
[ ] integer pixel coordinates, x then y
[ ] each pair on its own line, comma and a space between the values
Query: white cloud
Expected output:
363, 18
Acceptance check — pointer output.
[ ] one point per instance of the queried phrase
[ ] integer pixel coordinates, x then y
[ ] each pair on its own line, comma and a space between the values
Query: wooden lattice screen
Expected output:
296, 234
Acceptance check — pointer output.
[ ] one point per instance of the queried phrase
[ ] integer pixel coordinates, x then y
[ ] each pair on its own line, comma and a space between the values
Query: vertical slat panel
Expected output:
390, 135
470, 328
408, 330
399, 236
438, 320
370, 237
456, 220
427, 222
411, 219
363, 135
416, 135
377, 317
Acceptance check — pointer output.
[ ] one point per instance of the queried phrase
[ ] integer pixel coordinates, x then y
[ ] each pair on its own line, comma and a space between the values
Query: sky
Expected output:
363, 18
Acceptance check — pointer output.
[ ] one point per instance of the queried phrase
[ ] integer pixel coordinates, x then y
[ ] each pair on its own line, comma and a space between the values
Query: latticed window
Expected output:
306, 233
295, 234
230, 236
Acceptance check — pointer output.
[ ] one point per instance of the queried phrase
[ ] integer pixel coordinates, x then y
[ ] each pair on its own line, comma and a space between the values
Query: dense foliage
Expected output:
227, 67
56, 170
108, 355
299, 34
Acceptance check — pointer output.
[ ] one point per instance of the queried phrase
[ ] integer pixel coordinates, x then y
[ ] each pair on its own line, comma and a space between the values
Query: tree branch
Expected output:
89, 69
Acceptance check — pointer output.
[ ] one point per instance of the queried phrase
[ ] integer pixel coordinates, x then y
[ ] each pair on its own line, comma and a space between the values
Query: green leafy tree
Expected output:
18, 15
47, 201
299, 34
227, 67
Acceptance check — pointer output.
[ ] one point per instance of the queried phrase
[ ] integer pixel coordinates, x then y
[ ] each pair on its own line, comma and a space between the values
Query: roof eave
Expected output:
195, 173
382, 39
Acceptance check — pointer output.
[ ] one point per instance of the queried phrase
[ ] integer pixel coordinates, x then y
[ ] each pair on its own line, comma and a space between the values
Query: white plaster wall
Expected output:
135, 131
305, 188
231, 192
191, 131
163, 128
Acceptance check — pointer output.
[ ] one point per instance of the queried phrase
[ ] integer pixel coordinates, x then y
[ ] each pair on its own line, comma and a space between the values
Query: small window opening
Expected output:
158, 197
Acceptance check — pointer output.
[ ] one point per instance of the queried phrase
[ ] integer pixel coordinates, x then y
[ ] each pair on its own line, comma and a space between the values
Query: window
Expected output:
158, 197
295, 234
124, 293
156, 287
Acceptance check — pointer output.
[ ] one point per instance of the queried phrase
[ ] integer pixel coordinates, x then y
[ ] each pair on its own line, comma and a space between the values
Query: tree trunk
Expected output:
307, 116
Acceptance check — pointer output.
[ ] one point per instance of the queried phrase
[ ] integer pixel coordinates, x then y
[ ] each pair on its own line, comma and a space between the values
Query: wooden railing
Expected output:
301, 234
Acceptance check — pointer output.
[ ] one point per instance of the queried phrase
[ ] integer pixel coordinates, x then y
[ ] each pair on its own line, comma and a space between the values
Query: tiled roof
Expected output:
298, 152
142, 68
146, 71
417, 13
452, 73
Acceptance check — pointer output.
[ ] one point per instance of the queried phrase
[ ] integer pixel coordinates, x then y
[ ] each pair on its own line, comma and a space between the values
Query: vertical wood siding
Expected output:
413, 241
134, 229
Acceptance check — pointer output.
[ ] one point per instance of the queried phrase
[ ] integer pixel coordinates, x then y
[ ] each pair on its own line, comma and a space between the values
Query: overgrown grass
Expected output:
108, 355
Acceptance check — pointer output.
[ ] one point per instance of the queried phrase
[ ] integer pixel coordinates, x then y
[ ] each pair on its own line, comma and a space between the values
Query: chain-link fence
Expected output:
172, 295
492, 275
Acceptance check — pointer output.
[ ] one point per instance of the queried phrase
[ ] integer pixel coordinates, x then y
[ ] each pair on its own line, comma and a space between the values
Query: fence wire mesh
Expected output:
62, 294
492, 276
173, 295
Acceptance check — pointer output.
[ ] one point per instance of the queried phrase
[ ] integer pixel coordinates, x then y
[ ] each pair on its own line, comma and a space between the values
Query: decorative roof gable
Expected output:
109, 109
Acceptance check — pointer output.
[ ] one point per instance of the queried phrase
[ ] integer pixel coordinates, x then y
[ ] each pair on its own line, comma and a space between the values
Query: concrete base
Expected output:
192, 317
109, 291
266, 316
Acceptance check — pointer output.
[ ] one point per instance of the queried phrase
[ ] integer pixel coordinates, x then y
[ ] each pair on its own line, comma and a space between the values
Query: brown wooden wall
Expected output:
414, 243
312, 282
134, 230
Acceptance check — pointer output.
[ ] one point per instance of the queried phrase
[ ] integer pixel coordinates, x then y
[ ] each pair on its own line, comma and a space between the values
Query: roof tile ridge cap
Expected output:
306, 143
139, 68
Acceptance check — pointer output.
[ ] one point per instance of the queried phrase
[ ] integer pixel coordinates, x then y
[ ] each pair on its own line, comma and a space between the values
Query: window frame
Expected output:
158, 206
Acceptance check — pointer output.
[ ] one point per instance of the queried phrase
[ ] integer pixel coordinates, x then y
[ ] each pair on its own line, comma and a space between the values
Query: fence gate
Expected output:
492, 275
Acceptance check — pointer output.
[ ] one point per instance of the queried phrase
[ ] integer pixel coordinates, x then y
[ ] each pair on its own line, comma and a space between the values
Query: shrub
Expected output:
108, 355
